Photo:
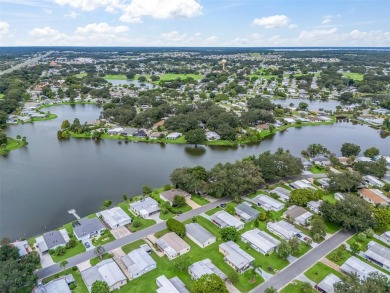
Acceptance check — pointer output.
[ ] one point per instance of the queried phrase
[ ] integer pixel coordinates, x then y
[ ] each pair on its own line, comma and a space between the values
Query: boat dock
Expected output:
73, 212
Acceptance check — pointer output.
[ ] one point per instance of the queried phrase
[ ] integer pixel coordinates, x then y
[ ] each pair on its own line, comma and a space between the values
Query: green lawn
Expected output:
363, 243
96, 260
200, 200
79, 248
317, 170
131, 246
332, 228
124, 205
103, 239
295, 288
80, 75
1, 96
81, 288
12, 144
354, 76
329, 198
115, 76
213, 211
174, 76
319, 271
344, 256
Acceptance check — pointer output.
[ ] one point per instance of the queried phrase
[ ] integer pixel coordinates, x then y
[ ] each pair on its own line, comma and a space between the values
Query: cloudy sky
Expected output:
195, 22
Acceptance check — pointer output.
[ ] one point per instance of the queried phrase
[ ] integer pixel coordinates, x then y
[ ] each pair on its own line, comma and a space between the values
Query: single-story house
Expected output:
300, 184
374, 196
353, 265
115, 217
321, 161
324, 182
378, 254
237, 258
283, 229
298, 215
268, 203
338, 196
172, 245
212, 135
23, 247
260, 241
174, 135
246, 213
56, 285
200, 235
315, 205
224, 219
173, 285
115, 131
87, 228
51, 240
282, 193
140, 133
128, 131
108, 271
169, 195
326, 285
204, 267
372, 180
385, 237
145, 207
138, 262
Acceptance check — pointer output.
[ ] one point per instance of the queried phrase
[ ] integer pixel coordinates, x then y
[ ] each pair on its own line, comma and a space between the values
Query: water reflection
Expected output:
195, 151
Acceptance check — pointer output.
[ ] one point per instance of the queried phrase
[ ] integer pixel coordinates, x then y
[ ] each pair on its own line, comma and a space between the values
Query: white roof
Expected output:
268, 201
284, 228
115, 217
379, 253
226, 219
327, 283
260, 239
359, 267
235, 255
106, 270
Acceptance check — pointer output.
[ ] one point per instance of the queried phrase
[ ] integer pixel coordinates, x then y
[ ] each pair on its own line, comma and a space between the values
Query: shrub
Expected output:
72, 286
74, 268
230, 233
177, 227
136, 223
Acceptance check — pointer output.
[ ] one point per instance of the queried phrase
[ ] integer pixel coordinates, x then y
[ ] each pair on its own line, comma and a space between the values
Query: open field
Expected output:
354, 76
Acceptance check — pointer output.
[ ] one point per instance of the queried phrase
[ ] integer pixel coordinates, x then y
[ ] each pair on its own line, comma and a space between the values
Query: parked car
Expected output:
87, 245
222, 205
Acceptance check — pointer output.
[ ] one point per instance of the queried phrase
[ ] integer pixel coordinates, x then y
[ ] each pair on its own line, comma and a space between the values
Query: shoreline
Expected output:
12, 144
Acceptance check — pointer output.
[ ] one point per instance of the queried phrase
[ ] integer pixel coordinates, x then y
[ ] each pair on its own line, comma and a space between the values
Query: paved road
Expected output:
291, 272
27, 62
73, 261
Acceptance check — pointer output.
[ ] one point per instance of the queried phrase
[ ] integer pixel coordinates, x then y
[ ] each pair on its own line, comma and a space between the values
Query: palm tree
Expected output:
99, 251
63, 264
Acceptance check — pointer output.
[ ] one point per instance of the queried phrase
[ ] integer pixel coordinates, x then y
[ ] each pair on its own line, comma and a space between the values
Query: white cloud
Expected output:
72, 14
101, 28
160, 9
48, 11
86, 5
256, 40
316, 34
4, 28
45, 32
329, 18
272, 21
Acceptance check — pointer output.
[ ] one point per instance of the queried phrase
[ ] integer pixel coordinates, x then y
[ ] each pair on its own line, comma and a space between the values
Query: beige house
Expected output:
172, 245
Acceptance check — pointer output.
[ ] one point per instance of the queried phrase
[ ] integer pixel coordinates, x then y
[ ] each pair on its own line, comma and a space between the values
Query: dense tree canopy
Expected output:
350, 149
345, 181
209, 283
375, 282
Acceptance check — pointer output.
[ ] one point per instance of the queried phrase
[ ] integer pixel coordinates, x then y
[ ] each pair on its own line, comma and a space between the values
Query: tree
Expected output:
60, 250
146, 190
196, 136
209, 283
303, 106
374, 282
295, 244
124, 197
17, 273
142, 79
318, 227
382, 218
306, 287
371, 152
192, 180
179, 201
230, 234
345, 181
176, 226
107, 203
65, 124
284, 249
316, 149
63, 264
350, 149
99, 251
302, 196
355, 247
353, 213
377, 168
270, 290
182, 263
3, 138
230, 209
100, 287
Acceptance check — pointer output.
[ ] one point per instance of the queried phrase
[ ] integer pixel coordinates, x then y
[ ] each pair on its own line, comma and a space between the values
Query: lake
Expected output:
313, 104
117, 82
41, 182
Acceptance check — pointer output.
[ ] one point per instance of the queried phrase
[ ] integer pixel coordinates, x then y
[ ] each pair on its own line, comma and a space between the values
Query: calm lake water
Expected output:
313, 104
130, 82
41, 182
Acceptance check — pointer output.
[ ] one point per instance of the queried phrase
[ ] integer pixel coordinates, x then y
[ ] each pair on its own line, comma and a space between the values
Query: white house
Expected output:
224, 219
283, 229
237, 258
268, 203
204, 267
115, 217
145, 207
260, 241
172, 245
87, 228
298, 215
138, 262
378, 254
173, 285
51, 240
200, 235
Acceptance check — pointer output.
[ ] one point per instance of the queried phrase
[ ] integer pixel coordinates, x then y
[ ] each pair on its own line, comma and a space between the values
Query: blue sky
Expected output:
195, 22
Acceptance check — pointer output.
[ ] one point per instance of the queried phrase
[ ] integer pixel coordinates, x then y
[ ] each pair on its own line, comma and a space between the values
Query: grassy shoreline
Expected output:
12, 144
181, 140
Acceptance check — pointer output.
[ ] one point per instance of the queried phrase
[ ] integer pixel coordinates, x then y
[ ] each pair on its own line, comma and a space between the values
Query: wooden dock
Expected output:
73, 212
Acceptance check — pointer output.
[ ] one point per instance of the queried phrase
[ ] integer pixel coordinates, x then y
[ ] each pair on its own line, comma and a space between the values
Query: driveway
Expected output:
192, 204
120, 232
84, 265
155, 217
117, 255
46, 260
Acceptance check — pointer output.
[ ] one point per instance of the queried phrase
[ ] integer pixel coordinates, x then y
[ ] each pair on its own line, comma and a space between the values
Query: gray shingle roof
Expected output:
206, 267
53, 238
245, 210
87, 226
137, 260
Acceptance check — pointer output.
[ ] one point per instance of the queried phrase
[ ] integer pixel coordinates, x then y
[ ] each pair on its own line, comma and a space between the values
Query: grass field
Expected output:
96, 260
296, 288
81, 288
12, 144
173, 76
200, 200
317, 170
115, 76
1, 96
354, 76
319, 271
80, 75
79, 248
